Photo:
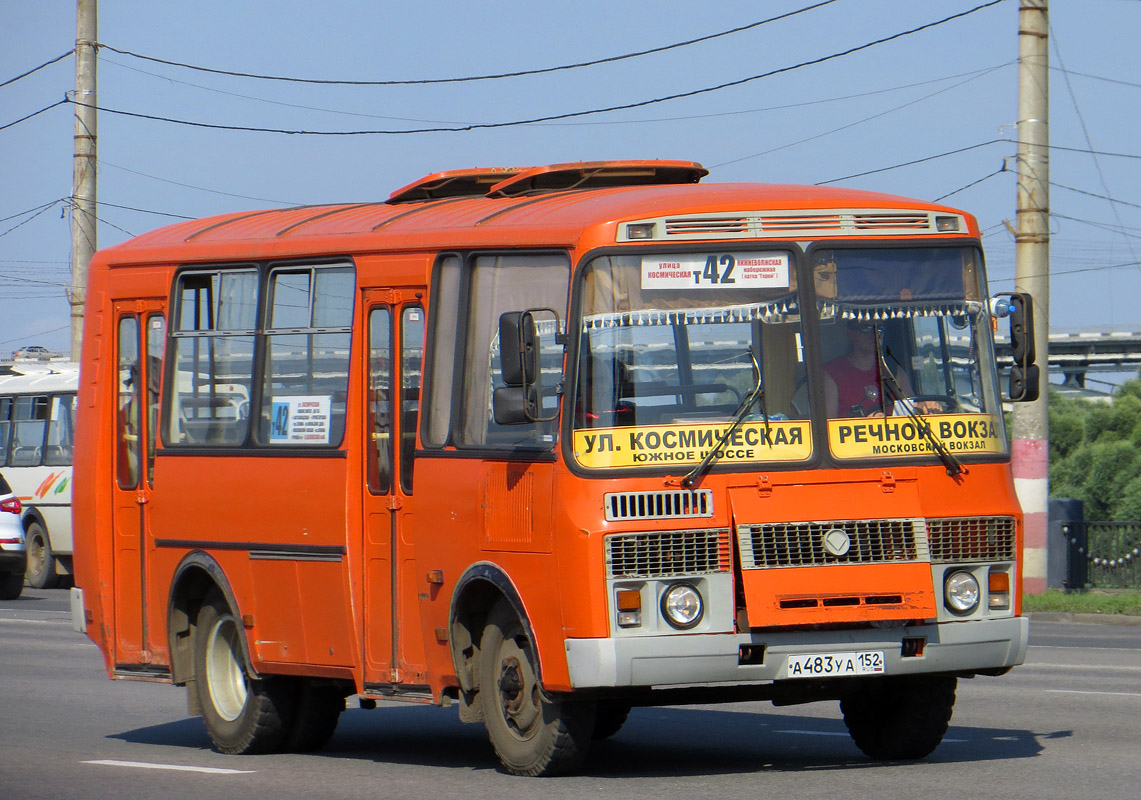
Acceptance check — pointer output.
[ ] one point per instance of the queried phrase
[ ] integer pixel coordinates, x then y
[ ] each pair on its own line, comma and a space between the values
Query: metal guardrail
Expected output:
1112, 553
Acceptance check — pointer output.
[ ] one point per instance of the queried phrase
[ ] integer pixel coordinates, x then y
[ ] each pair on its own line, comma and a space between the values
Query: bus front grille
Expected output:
811, 544
667, 553
971, 539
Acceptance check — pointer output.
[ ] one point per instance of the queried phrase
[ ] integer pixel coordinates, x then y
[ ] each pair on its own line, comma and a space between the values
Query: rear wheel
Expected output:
533, 733
316, 713
11, 585
41, 572
242, 715
900, 718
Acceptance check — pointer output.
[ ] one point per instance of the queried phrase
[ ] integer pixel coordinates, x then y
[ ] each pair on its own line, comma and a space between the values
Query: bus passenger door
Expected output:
139, 336
394, 649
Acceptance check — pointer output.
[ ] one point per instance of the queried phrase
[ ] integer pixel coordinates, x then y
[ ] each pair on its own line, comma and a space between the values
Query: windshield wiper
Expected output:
887, 379
757, 394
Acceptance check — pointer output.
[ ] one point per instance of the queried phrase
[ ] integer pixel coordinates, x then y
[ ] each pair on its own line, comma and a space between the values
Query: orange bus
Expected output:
548, 444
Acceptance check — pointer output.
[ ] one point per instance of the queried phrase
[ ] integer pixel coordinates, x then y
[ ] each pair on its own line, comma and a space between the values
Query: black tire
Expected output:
609, 718
315, 715
533, 733
11, 585
40, 572
242, 715
903, 718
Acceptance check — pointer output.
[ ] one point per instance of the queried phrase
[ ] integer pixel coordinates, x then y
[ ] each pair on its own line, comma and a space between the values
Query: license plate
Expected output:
831, 665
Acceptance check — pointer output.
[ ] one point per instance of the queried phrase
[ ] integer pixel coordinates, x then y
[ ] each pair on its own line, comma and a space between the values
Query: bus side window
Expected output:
380, 401
5, 428
127, 418
29, 424
61, 431
412, 353
308, 336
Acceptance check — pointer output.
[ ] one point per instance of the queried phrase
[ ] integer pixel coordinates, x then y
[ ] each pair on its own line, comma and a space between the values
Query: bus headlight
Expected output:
682, 606
961, 593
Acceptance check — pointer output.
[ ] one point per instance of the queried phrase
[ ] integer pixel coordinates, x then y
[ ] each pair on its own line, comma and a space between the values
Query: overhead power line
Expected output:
37, 69
469, 78
998, 171
974, 147
550, 117
33, 114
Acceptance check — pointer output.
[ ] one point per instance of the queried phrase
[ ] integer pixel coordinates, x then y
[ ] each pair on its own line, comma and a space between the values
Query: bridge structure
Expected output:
1075, 354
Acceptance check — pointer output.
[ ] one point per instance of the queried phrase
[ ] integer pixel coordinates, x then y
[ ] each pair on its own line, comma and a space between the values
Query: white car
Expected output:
13, 558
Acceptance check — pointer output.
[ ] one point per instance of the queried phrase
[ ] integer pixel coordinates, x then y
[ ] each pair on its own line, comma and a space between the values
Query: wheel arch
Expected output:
33, 514
477, 591
195, 576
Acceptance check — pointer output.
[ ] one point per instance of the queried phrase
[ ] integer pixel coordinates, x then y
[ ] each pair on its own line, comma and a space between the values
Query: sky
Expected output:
929, 114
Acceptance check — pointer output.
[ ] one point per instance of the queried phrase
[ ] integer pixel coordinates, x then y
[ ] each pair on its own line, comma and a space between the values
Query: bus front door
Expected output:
140, 331
393, 646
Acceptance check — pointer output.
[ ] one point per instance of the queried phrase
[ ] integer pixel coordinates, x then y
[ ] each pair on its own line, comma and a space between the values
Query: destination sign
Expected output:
882, 437
687, 445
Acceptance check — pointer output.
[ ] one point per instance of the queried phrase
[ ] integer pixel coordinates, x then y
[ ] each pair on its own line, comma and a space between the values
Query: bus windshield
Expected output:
673, 348
903, 332
672, 345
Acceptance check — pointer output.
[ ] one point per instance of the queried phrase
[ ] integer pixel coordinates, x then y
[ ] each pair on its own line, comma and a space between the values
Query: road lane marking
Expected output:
1104, 667
1080, 691
1060, 647
59, 622
175, 767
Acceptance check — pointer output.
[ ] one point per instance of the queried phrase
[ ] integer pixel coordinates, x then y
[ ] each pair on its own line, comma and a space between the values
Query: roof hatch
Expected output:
598, 175
454, 183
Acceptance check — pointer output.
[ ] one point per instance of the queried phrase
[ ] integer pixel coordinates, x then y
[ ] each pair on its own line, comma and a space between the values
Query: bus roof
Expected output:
60, 376
539, 206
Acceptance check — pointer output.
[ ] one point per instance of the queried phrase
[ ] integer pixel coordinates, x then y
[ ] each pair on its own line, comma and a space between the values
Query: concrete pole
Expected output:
83, 192
1032, 274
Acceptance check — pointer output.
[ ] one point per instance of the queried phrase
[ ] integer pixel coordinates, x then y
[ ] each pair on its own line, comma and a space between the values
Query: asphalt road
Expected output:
1066, 724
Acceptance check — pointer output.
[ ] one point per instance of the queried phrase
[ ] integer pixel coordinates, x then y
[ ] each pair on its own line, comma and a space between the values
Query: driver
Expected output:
852, 382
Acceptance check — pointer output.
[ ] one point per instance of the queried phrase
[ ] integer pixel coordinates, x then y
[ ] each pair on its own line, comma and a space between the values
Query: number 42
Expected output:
713, 273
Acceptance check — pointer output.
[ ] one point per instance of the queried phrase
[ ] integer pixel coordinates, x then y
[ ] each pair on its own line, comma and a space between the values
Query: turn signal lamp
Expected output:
629, 605
998, 590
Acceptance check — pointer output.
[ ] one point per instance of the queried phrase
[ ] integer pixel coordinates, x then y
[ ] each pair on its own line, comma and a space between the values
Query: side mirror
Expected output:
1024, 375
518, 348
519, 401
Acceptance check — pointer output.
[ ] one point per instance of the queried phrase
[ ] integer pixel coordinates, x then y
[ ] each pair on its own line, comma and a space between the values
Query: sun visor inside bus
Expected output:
874, 276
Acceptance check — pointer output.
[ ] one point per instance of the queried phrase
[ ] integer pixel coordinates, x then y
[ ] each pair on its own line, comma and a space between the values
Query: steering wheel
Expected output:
946, 403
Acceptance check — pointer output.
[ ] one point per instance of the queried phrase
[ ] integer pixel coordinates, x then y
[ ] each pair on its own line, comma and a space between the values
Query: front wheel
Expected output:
893, 719
533, 733
242, 715
41, 572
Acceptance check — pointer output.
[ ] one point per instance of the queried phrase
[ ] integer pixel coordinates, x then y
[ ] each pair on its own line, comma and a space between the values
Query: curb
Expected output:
1085, 619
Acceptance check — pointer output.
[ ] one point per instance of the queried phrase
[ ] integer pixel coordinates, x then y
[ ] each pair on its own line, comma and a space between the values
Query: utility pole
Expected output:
1032, 274
83, 191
